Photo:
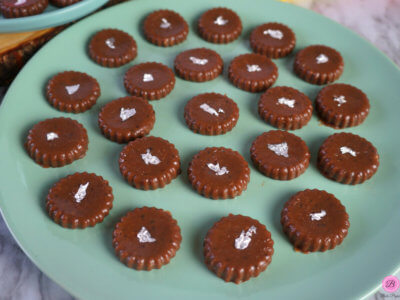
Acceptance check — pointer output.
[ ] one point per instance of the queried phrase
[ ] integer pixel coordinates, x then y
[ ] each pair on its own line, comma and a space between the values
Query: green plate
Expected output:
83, 261
52, 16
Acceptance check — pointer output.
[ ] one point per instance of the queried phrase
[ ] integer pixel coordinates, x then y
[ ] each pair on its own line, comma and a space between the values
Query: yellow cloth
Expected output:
305, 3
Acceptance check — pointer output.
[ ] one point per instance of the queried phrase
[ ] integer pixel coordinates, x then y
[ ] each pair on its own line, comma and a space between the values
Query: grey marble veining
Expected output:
376, 20
19, 277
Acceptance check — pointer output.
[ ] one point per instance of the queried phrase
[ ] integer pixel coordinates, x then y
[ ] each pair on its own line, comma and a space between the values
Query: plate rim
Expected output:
54, 18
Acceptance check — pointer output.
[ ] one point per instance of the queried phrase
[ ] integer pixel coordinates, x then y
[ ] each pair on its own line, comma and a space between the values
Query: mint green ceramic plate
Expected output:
83, 261
52, 16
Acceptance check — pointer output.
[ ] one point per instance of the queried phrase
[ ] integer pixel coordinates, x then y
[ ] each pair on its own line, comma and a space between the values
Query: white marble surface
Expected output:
376, 20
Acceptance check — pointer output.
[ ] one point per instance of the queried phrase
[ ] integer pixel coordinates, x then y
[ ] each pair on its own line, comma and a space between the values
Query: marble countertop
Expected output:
376, 20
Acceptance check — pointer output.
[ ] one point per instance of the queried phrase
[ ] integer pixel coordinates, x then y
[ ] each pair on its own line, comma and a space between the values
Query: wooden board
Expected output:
17, 48
10, 41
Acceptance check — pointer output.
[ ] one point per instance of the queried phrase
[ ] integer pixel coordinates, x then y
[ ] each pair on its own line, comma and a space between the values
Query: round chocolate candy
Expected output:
200, 64
348, 158
57, 142
285, 108
150, 80
314, 220
79, 200
211, 114
146, 238
237, 248
149, 163
112, 48
280, 155
318, 64
22, 8
219, 25
219, 173
274, 40
252, 72
342, 105
125, 119
165, 28
72, 91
